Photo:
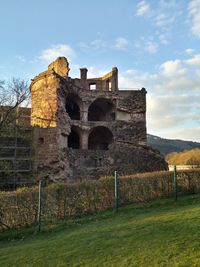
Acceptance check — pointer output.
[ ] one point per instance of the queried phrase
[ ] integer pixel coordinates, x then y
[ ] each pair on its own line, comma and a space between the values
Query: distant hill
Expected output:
166, 146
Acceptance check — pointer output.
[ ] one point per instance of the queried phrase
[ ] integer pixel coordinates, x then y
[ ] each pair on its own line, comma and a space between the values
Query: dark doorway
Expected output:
73, 140
72, 107
100, 138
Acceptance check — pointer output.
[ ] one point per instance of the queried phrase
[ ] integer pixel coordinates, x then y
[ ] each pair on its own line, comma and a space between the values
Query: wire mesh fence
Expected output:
51, 203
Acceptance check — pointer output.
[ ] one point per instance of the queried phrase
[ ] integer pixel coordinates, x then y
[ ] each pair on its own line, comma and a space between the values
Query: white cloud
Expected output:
194, 61
143, 8
164, 4
175, 84
162, 20
132, 79
167, 115
146, 44
163, 16
172, 98
83, 46
97, 44
172, 68
191, 134
172, 78
189, 51
151, 47
20, 58
194, 13
121, 43
130, 73
174, 106
100, 44
164, 38
50, 54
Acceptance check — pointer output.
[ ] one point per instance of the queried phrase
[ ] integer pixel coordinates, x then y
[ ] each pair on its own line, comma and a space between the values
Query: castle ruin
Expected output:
88, 128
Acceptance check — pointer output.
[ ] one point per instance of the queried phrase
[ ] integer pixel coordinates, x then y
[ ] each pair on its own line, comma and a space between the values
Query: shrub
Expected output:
62, 201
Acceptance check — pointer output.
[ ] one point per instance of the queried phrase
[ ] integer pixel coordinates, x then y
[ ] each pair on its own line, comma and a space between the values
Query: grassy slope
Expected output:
161, 233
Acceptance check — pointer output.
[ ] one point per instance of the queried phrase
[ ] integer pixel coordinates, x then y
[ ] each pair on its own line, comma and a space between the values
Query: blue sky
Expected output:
154, 43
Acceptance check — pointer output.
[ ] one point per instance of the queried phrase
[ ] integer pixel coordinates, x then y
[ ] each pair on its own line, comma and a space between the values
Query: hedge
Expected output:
63, 201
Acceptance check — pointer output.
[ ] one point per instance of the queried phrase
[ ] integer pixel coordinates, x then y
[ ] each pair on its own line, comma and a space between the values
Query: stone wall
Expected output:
50, 124
108, 82
124, 158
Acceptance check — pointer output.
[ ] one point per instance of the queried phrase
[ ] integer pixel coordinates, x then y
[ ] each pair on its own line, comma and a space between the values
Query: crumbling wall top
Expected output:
60, 66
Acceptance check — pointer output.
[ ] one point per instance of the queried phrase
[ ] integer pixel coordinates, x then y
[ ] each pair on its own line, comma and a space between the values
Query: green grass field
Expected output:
160, 233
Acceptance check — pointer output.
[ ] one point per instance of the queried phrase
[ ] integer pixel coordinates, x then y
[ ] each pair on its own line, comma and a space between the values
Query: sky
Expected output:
154, 44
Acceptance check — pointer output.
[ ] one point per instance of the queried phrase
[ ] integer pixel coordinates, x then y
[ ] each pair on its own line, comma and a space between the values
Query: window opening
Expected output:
93, 86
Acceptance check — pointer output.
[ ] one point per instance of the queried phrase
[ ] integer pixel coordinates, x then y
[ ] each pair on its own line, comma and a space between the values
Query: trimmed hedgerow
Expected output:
62, 201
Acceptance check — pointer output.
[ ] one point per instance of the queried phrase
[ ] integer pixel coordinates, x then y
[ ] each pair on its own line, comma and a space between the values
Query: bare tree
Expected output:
12, 95
14, 98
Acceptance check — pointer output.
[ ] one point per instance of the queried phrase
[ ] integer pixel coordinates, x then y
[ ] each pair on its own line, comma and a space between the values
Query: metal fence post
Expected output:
175, 183
116, 192
39, 206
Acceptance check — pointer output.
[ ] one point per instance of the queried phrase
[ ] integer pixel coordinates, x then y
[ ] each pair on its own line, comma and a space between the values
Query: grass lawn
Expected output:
160, 233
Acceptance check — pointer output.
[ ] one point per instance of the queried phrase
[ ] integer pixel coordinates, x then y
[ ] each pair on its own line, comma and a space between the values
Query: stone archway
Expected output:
101, 110
100, 138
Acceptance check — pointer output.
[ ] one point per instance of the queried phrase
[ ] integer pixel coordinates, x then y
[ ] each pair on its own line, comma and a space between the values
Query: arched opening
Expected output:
73, 139
101, 110
100, 138
72, 106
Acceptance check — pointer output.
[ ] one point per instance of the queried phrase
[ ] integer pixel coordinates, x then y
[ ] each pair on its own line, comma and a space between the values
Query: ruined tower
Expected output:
86, 128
